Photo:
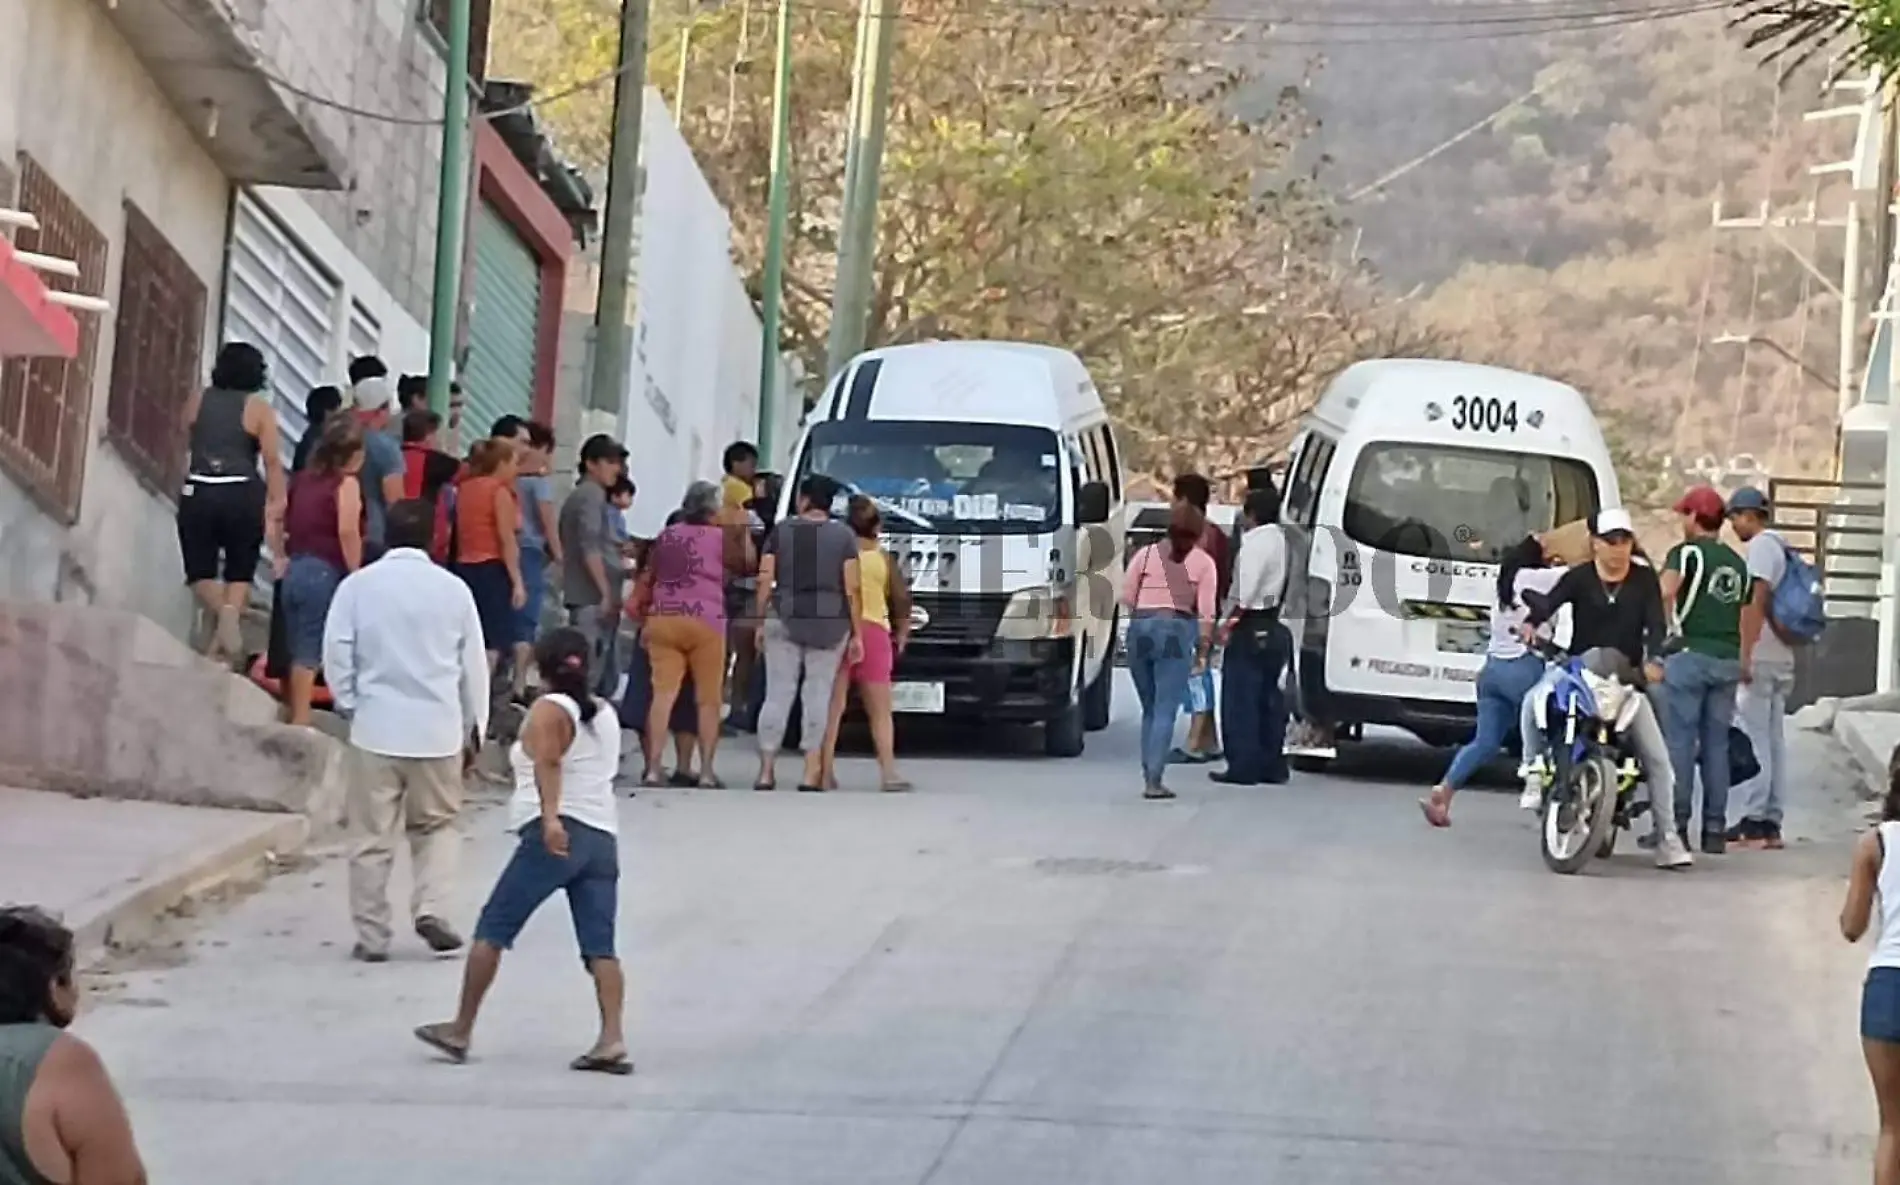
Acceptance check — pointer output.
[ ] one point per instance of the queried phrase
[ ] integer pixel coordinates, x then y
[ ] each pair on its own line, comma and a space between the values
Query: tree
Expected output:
1795, 30
1075, 175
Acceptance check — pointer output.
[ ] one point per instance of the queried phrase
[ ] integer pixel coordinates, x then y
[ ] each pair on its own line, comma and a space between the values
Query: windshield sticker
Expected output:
1048, 460
927, 507
978, 507
840, 505
1024, 512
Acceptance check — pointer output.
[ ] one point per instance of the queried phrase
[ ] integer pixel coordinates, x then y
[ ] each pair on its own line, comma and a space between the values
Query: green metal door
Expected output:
503, 328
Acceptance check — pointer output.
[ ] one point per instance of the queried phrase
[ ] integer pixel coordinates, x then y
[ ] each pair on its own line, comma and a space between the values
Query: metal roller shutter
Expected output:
504, 326
281, 300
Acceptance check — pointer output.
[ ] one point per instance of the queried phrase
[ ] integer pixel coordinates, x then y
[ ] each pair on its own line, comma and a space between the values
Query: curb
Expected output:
129, 916
1851, 730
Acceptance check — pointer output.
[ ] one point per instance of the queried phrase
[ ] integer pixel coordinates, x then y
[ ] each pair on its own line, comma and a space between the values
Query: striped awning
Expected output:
31, 326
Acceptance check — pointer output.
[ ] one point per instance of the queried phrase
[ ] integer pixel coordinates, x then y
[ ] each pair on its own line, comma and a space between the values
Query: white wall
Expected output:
73, 95
694, 384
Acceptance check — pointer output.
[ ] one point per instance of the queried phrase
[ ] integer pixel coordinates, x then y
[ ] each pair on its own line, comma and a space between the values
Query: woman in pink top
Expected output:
681, 595
1169, 591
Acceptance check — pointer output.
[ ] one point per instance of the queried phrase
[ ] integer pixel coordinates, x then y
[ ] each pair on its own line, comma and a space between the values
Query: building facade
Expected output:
256, 170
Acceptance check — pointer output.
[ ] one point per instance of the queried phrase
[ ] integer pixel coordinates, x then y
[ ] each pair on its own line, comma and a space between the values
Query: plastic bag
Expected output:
1200, 693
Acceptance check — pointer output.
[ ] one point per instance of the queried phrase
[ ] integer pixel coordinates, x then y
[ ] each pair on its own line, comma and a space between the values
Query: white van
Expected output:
1001, 489
1409, 477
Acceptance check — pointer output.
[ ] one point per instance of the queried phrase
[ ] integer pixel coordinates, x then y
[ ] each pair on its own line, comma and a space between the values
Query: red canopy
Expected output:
30, 324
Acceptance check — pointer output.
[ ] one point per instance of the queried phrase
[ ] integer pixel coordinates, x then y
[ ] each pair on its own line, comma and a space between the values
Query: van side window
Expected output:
1302, 495
1111, 464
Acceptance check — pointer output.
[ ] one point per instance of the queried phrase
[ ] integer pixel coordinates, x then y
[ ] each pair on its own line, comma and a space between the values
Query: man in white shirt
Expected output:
1256, 649
404, 658
1761, 707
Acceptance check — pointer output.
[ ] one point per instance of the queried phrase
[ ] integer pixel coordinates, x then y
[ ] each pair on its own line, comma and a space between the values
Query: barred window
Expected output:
45, 402
156, 354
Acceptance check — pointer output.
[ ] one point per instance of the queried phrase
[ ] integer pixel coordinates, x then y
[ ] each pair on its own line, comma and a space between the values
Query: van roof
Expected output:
1364, 385
982, 381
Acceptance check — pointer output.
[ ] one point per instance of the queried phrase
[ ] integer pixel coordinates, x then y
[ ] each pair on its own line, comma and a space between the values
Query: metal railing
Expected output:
1836, 526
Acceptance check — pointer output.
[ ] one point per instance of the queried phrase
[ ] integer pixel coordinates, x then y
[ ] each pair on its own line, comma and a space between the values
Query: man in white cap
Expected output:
373, 397
1616, 607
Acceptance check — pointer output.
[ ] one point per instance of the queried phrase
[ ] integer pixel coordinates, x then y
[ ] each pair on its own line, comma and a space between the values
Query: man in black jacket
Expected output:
1616, 606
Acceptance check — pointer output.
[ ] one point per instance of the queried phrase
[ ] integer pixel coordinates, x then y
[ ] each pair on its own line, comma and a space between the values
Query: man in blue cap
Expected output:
1767, 674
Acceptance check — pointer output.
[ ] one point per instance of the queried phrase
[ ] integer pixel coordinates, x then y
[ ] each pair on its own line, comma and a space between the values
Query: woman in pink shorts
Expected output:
886, 631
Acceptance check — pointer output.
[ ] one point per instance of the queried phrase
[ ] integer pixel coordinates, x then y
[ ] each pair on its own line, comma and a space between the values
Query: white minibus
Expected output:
1406, 480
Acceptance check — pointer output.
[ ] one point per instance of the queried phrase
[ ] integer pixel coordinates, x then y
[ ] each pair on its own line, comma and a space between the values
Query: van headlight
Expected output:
1036, 614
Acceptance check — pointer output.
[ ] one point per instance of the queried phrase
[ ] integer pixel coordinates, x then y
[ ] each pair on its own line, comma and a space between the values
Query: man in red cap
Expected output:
1704, 585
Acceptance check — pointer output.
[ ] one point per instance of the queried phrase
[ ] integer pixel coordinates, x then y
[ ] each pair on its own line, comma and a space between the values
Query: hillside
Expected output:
1573, 233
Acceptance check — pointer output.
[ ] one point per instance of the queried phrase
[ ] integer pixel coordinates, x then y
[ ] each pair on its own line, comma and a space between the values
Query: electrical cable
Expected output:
1570, 16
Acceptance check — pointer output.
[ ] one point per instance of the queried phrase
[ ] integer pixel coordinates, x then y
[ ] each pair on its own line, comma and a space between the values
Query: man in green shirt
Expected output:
1704, 583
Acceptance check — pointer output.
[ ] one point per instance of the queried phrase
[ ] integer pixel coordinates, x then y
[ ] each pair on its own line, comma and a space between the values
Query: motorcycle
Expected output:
1590, 772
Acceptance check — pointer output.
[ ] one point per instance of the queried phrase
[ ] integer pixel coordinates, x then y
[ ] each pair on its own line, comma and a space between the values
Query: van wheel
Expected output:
1310, 765
1098, 700
1064, 736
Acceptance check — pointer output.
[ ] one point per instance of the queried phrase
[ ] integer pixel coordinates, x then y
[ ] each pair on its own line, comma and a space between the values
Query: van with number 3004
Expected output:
1407, 481
999, 482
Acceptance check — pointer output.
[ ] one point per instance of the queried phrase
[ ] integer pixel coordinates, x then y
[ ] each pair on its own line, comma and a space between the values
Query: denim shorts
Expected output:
309, 587
1880, 1005
534, 578
590, 875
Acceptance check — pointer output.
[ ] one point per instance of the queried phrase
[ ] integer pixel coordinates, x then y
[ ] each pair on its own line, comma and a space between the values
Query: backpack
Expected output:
1798, 603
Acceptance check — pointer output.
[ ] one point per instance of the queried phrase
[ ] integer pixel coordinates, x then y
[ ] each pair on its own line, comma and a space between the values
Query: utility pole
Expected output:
864, 167
613, 333
451, 213
776, 210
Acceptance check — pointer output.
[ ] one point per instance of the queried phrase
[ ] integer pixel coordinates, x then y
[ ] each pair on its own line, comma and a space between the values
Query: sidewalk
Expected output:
111, 868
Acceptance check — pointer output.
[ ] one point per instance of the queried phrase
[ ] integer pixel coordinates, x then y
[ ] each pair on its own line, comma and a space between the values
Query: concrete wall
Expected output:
377, 56
119, 708
74, 96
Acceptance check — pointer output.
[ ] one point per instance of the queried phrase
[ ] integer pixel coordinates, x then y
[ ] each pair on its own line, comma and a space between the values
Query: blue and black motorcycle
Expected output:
1592, 773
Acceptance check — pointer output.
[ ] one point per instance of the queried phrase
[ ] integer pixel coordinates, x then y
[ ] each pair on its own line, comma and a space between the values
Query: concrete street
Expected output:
1024, 973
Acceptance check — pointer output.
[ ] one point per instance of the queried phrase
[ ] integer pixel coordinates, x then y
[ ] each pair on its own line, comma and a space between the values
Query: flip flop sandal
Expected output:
593, 1064
436, 1037
808, 788
764, 787
683, 780
710, 783
1436, 813
900, 786
651, 781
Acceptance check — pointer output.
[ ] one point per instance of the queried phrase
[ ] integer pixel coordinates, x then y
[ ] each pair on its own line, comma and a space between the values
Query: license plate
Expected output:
1462, 639
917, 697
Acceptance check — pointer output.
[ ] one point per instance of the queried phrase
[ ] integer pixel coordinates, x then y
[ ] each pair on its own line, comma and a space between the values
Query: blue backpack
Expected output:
1799, 603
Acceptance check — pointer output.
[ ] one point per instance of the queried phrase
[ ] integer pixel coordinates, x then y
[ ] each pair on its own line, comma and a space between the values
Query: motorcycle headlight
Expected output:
1610, 694
1036, 614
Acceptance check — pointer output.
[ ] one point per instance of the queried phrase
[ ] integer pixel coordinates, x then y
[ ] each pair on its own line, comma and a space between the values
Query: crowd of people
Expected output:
1699, 633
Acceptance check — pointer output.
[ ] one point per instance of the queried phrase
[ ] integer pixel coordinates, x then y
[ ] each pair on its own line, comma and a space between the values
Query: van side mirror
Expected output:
1091, 503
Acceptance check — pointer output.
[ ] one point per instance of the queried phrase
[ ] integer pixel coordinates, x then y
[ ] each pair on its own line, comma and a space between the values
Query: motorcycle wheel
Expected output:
1608, 847
1575, 825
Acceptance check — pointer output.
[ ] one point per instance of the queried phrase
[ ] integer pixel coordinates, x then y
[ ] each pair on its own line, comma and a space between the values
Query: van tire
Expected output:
1065, 735
1098, 700
1310, 765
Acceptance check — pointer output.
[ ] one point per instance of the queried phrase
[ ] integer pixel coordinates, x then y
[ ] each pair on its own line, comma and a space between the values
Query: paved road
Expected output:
1024, 973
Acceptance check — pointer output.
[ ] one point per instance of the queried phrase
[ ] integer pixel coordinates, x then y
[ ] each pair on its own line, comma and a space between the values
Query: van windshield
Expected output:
927, 475
1448, 503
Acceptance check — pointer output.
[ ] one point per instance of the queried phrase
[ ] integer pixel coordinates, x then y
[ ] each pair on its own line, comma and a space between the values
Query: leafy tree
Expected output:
1867, 31
1076, 175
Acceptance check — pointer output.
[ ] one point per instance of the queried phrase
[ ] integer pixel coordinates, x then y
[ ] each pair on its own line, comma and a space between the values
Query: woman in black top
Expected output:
233, 492
1615, 604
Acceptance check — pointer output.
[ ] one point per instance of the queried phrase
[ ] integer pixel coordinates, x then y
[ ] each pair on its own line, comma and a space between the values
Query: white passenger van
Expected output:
1409, 477
1001, 490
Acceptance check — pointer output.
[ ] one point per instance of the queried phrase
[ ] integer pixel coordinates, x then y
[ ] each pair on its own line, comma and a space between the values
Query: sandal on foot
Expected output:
651, 781
898, 786
594, 1063
710, 782
683, 779
438, 1037
1437, 813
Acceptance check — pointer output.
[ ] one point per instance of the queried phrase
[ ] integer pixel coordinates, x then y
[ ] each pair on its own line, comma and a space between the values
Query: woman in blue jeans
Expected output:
1510, 672
1169, 592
